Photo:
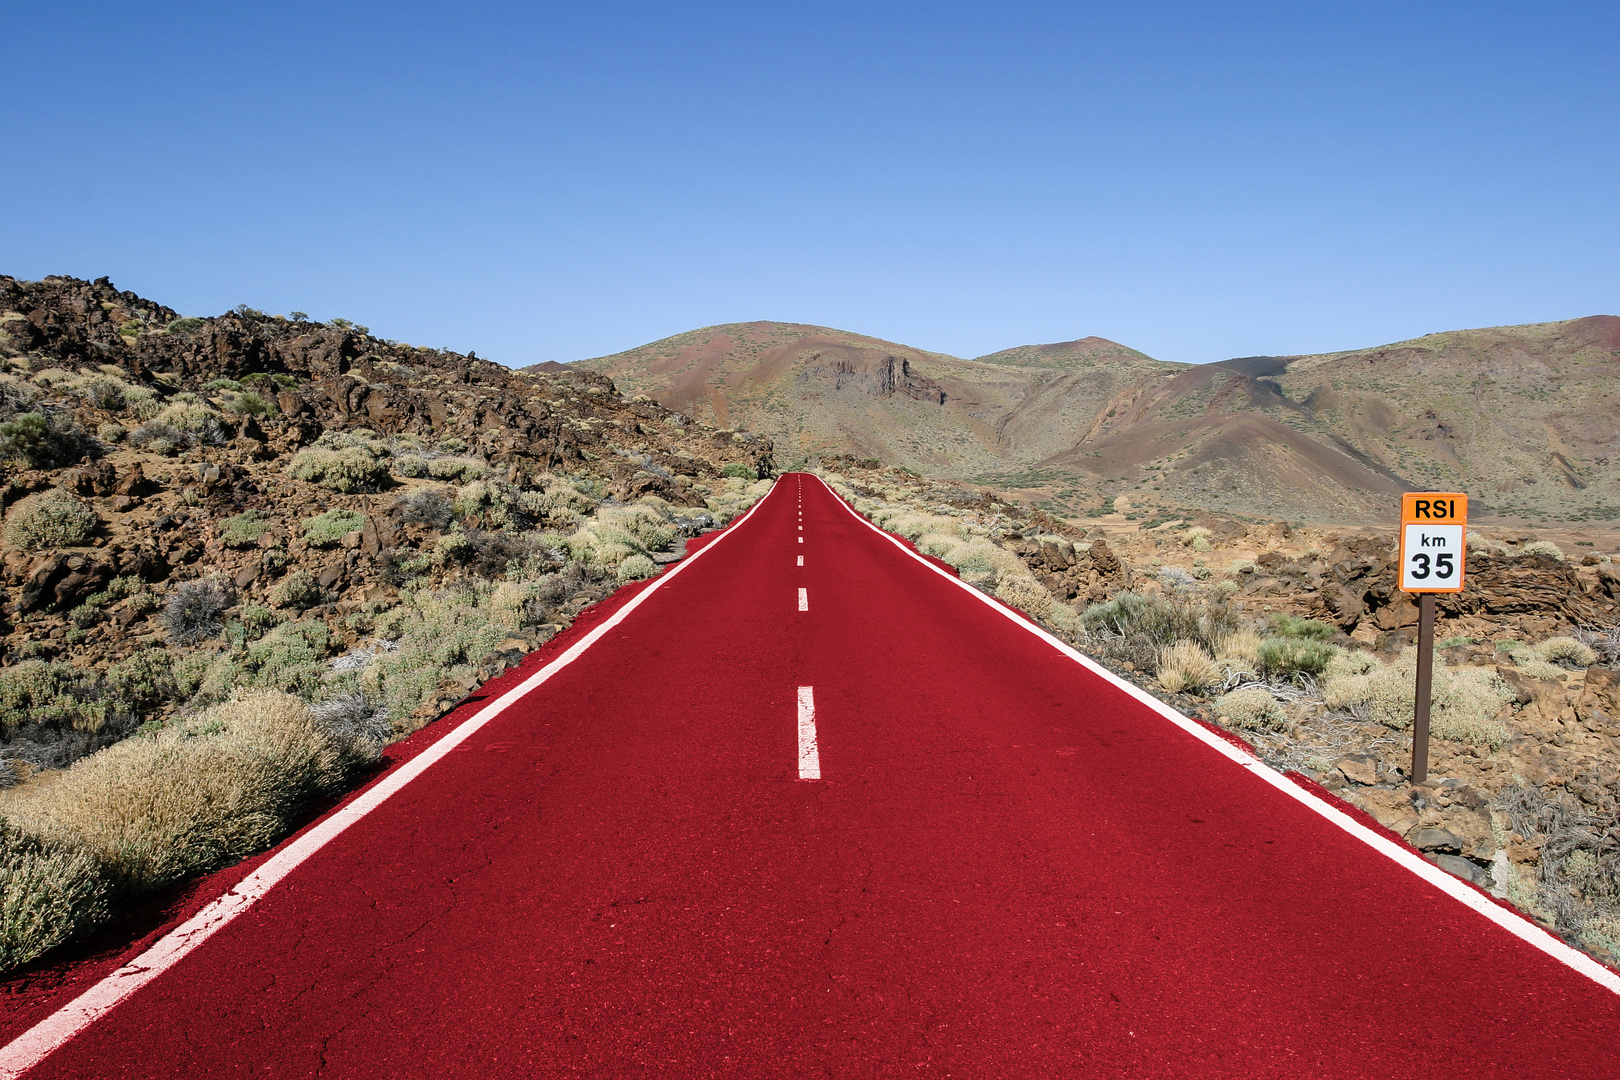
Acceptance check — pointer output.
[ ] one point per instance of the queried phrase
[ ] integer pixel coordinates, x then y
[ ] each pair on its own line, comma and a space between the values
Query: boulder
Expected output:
1434, 838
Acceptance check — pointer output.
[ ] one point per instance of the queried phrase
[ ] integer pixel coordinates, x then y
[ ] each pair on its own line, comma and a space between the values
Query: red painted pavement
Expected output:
1010, 868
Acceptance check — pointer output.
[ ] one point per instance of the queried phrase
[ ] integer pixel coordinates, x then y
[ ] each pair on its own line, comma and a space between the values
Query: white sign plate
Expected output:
1431, 557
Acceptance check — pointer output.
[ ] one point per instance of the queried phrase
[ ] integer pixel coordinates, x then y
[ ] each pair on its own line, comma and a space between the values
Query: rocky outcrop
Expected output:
1082, 575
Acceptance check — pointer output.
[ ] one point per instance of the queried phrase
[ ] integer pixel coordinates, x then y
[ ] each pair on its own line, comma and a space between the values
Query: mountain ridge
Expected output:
1518, 413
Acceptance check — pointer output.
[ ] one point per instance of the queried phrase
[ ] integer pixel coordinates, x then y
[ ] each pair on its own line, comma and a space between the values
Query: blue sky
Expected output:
557, 181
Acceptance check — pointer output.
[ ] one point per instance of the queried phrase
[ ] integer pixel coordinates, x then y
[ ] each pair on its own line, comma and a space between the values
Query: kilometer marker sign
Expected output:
1434, 527
1434, 549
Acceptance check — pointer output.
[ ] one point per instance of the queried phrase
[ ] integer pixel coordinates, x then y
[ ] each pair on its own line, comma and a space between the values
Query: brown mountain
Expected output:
818, 390
1522, 417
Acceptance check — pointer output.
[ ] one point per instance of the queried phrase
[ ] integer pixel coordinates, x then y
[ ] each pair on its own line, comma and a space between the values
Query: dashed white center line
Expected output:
809, 758
804, 599
801, 560
801, 539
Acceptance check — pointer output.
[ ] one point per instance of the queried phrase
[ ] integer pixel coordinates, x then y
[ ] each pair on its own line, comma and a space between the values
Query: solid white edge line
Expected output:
33, 1045
1515, 924
809, 755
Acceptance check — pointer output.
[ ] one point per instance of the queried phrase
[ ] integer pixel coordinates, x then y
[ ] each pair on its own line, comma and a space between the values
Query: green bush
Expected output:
353, 468
49, 893
42, 441
248, 403
740, 471
185, 325
1292, 626
299, 589
111, 432
411, 465
463, 469
1291, 657
50, 519
325, 530
244, 529
222, 384
636, 567
51, 692
1251, 708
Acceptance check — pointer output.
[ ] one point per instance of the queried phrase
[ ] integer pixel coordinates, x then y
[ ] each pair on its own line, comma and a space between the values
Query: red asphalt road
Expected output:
1009, 869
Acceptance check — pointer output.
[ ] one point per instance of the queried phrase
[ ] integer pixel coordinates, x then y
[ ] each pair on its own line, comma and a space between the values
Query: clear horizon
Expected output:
557, 182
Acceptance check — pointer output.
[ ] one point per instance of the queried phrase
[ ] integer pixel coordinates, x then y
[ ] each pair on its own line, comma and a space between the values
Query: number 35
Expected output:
1444, 565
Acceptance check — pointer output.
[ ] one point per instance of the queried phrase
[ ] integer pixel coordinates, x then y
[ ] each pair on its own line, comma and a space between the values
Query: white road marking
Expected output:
801, 539
804, 599
1403, 856
33, 1045
809, 756
801, 560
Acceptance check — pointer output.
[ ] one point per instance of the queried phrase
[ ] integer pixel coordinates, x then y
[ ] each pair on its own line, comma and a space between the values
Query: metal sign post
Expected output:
1434, 549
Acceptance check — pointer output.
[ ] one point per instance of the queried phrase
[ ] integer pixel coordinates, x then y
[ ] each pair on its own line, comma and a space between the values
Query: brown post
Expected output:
1425, 681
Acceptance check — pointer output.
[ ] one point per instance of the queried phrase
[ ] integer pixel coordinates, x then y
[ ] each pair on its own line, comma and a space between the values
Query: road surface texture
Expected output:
813, 809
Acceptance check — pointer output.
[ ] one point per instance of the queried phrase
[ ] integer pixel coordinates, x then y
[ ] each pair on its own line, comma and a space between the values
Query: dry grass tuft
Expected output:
48, 893
223, 785
1251, 708
1187, 666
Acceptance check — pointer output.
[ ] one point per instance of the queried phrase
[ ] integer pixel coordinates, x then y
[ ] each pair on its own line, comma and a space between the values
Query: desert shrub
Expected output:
1251, 708
44, 441
195, 612
104, 392
1196, 533
411, 465
485, 554
461, 469
1543, 547
636, 567
248, 403
1202, 572
1536, 668
1176, 578
50, 692
185, 799
354, 718
49, 893
1292, 626
1291, 658
329, 528
440, 636
741, 472
185, 325
1565, 652
1159, 621
111, 432
1240, 565
299, 589
1462, 700
432, 507
497, 505
244, 529
198, 424
55, 518
1187, 666
352, 468
222, 384
1024, 593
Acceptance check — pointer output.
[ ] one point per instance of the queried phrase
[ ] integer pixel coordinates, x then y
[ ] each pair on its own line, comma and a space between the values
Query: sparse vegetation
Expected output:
51, 519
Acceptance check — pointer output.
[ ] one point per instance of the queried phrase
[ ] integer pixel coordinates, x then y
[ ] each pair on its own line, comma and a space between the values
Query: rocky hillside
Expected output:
1522, 417
197, 505
817, 391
